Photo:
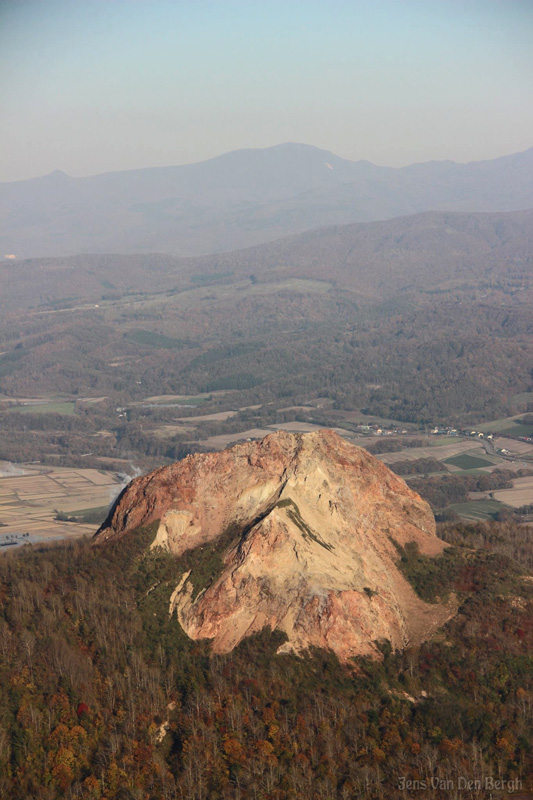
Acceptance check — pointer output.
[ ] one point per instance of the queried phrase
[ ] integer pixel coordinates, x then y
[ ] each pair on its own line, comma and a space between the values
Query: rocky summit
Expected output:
308, 531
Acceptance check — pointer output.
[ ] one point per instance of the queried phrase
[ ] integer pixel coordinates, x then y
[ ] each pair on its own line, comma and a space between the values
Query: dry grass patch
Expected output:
520, 495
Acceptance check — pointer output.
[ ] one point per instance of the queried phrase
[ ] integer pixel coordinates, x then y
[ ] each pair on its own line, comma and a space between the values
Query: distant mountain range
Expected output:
242, 198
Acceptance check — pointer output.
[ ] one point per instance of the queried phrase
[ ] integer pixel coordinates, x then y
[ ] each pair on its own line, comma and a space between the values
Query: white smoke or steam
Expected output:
125, 478
9, 470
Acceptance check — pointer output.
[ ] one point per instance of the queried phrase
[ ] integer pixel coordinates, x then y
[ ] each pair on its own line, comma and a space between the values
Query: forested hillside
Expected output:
423, 320
105, 697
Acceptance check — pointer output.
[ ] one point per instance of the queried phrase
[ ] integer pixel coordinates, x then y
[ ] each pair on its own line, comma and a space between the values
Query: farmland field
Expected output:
478, 509
520, 495
523, 397
519, 448
178, 400
223, 440
29, 502
466, 461
510, 426
67, 408
518, 430
440, 452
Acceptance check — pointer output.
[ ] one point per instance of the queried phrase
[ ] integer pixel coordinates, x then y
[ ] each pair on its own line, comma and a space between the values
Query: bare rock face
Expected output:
307, 525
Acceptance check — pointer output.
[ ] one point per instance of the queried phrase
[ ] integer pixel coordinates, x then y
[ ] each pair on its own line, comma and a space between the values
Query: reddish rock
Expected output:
315, 519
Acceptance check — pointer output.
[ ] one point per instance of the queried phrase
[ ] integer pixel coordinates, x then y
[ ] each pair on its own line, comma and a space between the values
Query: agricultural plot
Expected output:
440, 452
220, 416
517, 448
152, 339
518, 429
357, 418
29, 502
54, 407
168, 431
510, 426
520, 495
523, 397
224, 440
213, 295
303, 427
478, 510
467, 461
176, 401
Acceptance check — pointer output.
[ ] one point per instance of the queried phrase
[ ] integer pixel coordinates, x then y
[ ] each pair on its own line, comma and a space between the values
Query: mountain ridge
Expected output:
372, 260
242, 198
278, 147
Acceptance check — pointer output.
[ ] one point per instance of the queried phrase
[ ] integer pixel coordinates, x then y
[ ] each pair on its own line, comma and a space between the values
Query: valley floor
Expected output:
31, 500
33, 495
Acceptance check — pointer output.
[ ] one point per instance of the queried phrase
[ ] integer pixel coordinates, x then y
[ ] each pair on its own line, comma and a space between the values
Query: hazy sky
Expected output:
90, 86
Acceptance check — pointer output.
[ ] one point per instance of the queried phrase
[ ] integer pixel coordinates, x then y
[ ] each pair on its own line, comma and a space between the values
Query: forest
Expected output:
412, 367
106, 697
425, 320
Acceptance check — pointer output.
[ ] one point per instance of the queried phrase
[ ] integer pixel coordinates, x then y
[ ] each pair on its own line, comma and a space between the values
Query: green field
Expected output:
188, 401
464, 461
45, 408
509, 426
478, 509
153, 339
213, 276
88, 516
523, 397
519, 430
468, 472
440, 441
183, 401
224, 292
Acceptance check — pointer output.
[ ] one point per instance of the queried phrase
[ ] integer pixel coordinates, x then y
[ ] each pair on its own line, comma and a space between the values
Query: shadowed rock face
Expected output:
313, 520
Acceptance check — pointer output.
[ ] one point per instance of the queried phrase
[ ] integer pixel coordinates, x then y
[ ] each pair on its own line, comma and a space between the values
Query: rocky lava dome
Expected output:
307, 526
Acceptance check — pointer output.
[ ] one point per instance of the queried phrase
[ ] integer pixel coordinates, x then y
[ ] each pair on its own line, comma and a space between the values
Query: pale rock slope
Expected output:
306, 526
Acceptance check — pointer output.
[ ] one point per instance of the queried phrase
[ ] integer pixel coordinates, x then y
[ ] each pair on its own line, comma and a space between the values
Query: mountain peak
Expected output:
307, 530
57, 174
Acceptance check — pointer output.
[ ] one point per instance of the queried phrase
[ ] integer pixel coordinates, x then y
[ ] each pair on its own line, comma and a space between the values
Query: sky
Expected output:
91, 86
